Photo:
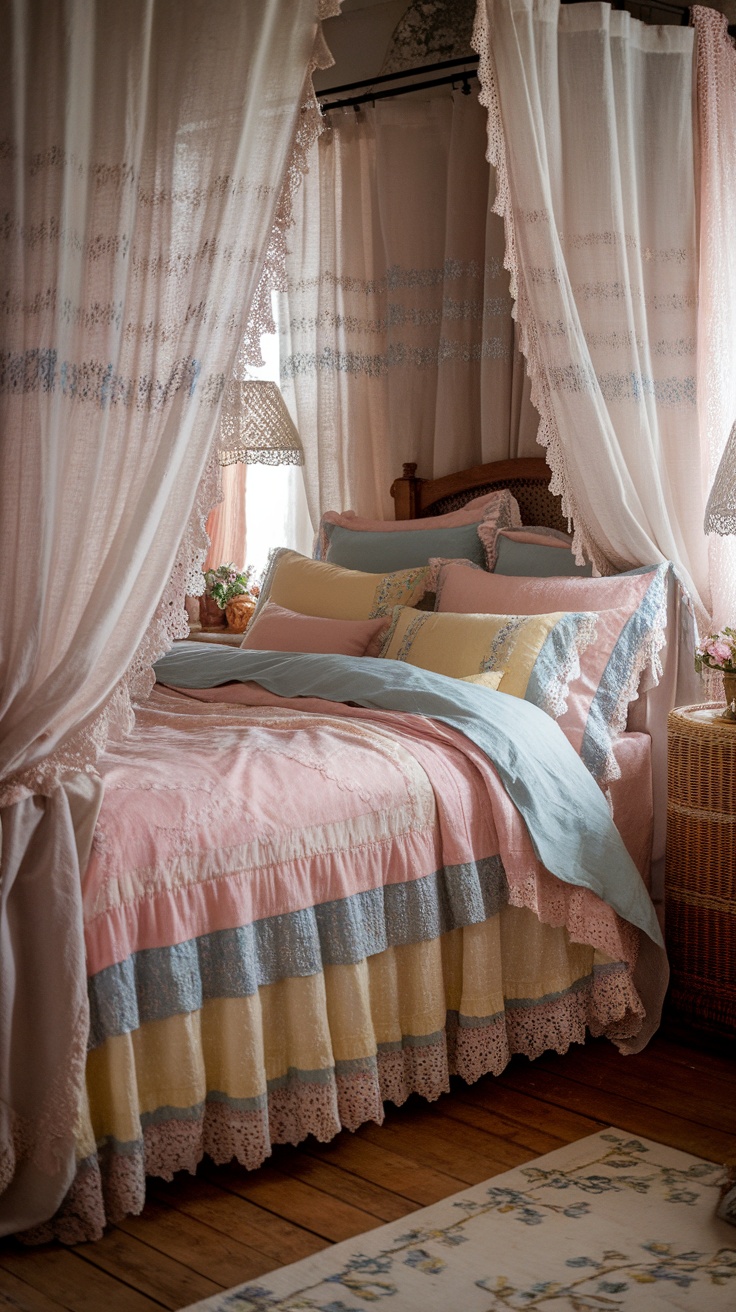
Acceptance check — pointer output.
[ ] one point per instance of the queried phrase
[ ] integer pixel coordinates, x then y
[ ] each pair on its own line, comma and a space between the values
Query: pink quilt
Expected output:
325, 801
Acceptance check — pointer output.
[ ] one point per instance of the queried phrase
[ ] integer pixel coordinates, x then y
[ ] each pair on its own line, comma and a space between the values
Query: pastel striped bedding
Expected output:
297, 909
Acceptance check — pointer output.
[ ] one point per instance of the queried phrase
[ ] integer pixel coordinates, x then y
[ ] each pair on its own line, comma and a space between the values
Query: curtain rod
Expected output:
370, 96
392, 77
464, 72
468, 66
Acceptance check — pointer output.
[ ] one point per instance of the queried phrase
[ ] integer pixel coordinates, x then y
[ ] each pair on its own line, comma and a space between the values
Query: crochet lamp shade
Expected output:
256, 428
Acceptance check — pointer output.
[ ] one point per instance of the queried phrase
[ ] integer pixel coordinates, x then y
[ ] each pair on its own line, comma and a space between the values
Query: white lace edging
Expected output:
568, 668
648, 658
584, 546
79, 753
273, 275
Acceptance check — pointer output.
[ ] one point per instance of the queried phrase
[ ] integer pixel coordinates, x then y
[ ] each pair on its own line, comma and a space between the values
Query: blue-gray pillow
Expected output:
531, 560
383, 552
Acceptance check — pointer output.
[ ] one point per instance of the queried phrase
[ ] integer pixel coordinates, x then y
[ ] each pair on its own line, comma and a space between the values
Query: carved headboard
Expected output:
527, 478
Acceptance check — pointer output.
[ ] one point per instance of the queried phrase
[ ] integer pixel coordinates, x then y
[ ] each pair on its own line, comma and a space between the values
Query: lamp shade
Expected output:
256, 428
720, 512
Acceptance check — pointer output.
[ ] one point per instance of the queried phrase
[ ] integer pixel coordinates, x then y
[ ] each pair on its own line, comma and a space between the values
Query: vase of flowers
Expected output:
718, 652
221, 587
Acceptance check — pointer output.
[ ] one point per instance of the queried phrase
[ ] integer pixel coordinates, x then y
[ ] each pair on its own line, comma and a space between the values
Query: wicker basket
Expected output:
700, 884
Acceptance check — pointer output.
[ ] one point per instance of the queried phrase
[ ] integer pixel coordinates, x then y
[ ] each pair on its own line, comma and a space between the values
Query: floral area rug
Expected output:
610, 1222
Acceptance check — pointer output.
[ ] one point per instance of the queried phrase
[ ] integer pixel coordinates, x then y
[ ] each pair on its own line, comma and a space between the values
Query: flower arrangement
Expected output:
226, 582
718, 652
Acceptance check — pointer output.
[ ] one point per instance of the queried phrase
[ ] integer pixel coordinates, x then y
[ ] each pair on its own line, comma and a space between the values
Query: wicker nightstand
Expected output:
700, 880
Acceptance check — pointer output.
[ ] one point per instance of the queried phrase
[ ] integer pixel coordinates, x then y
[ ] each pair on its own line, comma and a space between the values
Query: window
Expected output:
276, 513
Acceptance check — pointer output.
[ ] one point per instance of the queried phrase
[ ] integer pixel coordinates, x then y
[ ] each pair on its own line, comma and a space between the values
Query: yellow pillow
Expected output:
535, 655
316, 587
489, 679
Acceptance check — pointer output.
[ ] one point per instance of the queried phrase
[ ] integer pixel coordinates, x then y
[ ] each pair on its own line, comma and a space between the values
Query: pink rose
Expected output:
719, 651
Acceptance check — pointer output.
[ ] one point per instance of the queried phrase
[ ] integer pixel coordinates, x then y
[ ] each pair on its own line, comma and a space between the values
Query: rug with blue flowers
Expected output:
608, 1223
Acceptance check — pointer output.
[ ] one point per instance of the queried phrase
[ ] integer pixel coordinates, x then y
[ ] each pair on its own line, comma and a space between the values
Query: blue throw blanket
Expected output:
565, 812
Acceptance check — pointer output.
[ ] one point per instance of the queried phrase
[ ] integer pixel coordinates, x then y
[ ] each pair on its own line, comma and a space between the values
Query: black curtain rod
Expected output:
392, 77
462, 76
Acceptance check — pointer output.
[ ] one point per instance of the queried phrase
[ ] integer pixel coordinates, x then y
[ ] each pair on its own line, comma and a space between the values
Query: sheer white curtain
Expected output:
591, 130
716, 57
396, 330
144, 151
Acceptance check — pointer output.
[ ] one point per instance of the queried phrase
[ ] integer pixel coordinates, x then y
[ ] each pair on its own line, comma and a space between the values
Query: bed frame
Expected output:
527, 478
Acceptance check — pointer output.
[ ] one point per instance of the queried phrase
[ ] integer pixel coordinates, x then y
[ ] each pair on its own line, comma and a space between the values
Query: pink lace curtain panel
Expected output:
226, 528
148, 156
591, 131
397, 341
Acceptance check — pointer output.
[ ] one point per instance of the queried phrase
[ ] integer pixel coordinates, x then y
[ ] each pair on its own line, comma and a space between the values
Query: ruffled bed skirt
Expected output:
237, 1076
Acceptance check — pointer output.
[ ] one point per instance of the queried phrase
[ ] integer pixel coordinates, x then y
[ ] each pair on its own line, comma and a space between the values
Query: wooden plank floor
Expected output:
198, 1236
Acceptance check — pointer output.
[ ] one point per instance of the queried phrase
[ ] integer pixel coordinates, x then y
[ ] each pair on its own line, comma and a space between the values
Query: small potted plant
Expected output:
223, 587
718, 652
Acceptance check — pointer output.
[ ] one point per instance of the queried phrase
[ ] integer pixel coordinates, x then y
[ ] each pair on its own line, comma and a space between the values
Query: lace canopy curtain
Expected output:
716, 87
397, 341
144, 153
591, 131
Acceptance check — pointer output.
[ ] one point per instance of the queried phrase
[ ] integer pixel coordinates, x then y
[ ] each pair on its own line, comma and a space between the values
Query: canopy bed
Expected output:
495, 908
320, 882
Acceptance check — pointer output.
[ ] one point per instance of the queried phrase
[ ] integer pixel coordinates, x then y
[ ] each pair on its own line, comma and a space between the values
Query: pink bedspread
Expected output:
312, 811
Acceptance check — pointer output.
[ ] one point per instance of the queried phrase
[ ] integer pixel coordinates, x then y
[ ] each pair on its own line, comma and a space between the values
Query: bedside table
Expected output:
700, 871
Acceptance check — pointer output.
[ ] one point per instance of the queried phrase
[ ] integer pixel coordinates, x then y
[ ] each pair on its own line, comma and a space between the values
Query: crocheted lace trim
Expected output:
113, 1184
586, 919
554, 701
646, 658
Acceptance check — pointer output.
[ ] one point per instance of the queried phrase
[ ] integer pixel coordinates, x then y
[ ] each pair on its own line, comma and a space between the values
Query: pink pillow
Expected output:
277, 629
632, 610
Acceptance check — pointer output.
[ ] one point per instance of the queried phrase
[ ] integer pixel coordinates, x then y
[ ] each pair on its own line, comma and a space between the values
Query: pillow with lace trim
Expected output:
316, 587
355, 542
632, 617
537, 655
531, 553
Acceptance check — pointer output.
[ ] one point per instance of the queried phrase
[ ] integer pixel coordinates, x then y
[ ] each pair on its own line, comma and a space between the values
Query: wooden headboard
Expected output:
527, 478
